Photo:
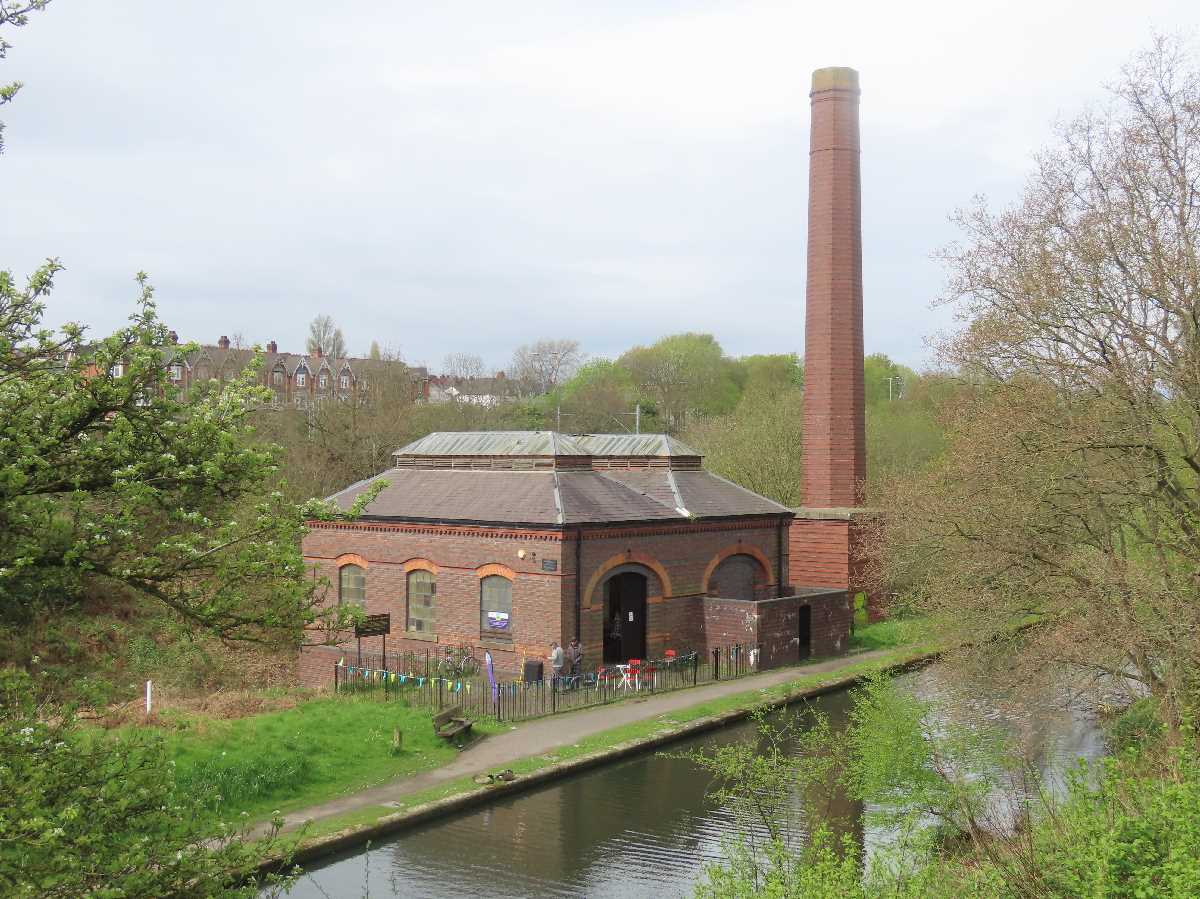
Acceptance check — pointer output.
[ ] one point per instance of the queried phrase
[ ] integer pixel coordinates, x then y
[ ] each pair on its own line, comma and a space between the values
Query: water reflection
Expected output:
636, 828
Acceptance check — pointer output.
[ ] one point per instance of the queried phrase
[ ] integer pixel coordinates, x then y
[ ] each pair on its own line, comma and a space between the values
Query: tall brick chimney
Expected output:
825, 535
835, 460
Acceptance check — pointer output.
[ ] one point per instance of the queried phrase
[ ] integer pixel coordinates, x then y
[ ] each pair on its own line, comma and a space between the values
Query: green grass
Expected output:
890, 633
303, 755
636, 731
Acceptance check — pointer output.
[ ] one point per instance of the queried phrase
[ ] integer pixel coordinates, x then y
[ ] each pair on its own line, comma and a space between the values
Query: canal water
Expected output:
644, 826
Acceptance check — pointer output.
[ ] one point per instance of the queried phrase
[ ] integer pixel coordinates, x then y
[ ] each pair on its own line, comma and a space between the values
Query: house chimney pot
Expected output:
272, 347
319, 353
173, 336
223, 343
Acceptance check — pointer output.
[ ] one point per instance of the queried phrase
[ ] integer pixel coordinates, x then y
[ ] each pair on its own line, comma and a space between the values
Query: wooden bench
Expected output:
452, 724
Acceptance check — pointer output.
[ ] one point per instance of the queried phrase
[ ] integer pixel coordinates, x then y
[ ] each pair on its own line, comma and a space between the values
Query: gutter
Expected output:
579, 584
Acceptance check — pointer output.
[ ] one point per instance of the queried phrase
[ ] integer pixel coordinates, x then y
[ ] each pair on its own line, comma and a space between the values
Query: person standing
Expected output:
556, 662
575, 660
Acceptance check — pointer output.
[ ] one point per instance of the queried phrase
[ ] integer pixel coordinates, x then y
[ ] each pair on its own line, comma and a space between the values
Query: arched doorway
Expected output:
624, 617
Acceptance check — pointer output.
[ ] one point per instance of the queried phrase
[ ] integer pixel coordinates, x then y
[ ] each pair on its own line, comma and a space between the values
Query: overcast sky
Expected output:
459, 176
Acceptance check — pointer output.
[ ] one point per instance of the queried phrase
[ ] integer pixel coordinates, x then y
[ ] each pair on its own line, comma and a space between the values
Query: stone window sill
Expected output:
420, 635
493, 643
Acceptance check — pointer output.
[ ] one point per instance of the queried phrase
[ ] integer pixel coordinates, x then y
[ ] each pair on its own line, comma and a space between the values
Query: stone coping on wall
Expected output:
836, 513
804, 593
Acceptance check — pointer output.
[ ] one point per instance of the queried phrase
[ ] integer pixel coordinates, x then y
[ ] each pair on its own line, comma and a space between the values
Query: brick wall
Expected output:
834, 401
820, 552
678, 560
542, 600
774, 625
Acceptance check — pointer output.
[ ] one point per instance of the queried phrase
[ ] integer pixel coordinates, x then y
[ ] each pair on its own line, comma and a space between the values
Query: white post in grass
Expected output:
149, 695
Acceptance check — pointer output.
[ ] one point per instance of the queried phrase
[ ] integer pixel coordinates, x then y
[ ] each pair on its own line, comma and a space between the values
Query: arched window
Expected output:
736, 578
422, 606
352, 585
495, 606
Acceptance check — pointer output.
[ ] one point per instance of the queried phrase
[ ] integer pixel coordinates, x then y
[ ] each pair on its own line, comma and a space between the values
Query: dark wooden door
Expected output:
625, 618
805, 631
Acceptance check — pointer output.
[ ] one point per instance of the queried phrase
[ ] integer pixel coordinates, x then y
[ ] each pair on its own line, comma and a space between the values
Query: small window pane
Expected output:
352, 585
495, 606
277, 377
300, 379
422, 611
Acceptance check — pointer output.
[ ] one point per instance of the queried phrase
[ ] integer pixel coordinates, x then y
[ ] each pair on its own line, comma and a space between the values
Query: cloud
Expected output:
469, 176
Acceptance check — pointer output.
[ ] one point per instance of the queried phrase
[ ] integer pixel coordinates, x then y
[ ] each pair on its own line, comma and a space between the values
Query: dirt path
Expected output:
544, 734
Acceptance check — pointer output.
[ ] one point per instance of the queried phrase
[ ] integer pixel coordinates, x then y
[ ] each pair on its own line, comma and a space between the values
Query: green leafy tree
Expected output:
109, 481
684, 374
86, 814
759, 444
601, 397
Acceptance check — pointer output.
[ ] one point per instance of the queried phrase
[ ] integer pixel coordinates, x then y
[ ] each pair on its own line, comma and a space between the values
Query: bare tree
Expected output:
541, 366
463, 365
324, 334
1067, 505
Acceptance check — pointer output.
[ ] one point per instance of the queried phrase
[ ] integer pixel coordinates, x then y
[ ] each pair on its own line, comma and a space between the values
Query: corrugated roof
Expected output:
493, 443
634, 445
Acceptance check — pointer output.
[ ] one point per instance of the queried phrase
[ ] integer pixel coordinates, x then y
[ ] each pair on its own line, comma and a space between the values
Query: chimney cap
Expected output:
835, 78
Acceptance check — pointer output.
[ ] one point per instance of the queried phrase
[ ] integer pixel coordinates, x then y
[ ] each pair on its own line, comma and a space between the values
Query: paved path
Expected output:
544, 734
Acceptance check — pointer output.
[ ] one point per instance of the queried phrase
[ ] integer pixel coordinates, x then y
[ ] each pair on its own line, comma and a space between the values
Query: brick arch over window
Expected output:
737, 549
351, 559
420, 565
495, 568
632, 557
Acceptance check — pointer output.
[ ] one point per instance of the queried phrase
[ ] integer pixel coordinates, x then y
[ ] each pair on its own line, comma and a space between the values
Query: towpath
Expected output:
545, 734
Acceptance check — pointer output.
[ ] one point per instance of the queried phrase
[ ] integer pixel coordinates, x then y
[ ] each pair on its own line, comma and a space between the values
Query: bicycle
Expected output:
459, 663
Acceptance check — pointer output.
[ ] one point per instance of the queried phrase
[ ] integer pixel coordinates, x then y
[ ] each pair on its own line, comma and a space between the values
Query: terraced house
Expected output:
510, 540
296, 380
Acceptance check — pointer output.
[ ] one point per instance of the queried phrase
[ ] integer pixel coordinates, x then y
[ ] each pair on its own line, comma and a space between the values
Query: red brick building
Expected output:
510, 540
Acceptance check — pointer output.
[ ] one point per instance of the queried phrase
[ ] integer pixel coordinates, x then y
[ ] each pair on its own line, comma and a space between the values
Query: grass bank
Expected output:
293, 758
340, 831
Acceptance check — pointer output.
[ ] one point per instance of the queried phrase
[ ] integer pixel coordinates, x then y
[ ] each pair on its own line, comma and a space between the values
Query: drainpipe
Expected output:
578, 584
779, 557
